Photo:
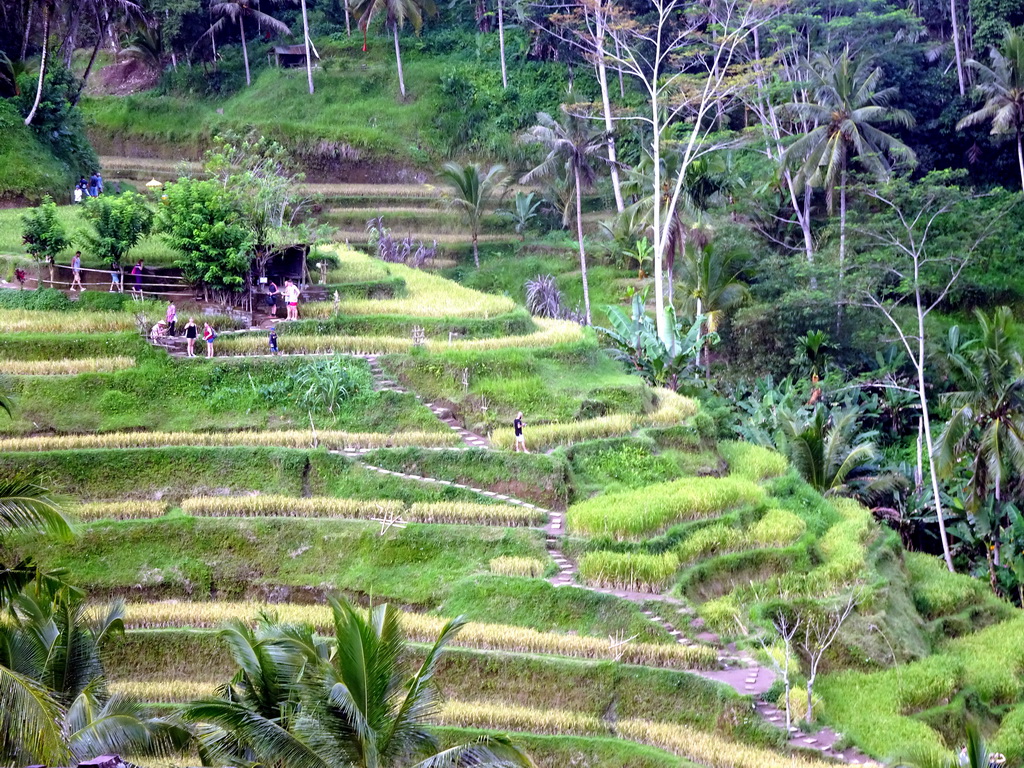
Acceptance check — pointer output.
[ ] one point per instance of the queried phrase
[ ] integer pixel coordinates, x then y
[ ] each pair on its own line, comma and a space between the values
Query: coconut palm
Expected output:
397, 12
1002, 85
359, 705
575, 146
472, 189
846, 109
986, 426
237, 11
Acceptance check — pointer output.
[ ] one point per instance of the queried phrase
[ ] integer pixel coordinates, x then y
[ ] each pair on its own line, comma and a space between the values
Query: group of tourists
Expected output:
168, 327
290, 294
91, 187
116, 283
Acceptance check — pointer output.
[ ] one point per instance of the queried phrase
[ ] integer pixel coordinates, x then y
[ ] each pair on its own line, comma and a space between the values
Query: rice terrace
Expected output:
587, 384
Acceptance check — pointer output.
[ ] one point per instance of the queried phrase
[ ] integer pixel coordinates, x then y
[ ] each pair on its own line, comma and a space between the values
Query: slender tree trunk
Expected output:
28, 31
956, 48
92, 58
622, 84
398, 58
72, 34
348, 23
583, 255
842, 247
476, 248
609, 127
805, 226
42, 63
926, 421
659, 236
309, 57
501, 43
245, 50
1020, 159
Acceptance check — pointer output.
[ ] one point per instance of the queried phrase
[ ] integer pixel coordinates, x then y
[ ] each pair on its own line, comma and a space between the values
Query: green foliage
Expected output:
30, 167
201, 221
937, 592
628, 462
752, 462
325, 384
45, 299
119, 222
631, 514
57, 124
42, 232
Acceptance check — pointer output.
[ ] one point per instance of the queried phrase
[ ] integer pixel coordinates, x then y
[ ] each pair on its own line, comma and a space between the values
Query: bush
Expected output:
936, 591
752, 462
628, 462
628, 570
778, 527
710, 540
45, 299
629, 514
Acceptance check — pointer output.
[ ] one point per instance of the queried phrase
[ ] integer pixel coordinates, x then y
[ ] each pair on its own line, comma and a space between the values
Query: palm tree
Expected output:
847, 108
238, 11
397, 12
712, 282
1002, 85
573, 145
830, 452
473, 190
986, 426
359, 705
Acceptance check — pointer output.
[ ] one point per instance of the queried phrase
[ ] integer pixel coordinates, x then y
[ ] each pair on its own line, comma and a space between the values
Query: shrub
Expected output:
43, 300
798, 704
518, 566
644, 511
721, 614
628, 570
752, 462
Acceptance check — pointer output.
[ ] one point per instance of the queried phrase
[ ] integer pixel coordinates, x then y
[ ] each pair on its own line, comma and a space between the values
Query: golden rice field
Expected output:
530, 567
419, 512
120, 510
671, 408
427, 295
550, 333
330, 439
33, 321
423, 628
66, 367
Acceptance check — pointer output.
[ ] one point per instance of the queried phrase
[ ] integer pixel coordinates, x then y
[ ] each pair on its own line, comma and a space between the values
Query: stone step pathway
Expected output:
739, 671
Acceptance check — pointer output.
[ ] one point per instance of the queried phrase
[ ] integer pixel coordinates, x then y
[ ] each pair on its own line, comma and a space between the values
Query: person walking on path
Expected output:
51, 266
209, 336
191, 332
517, 426
76, 272
272, 292
137, 272
272, 339
115, 278
93, 184
172, 318
77, 196
291, 297
99, 183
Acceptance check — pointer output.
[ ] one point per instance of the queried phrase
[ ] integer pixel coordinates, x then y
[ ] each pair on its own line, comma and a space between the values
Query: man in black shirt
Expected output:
517, 425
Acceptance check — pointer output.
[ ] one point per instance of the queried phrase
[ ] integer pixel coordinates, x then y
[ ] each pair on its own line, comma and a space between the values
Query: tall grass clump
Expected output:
711, 540
511, 717
777, 528
937, 591
331, 439
66, 367
288, 506
424, 628
628, 570
671, 408
29, 321
530, 567
641, 512
752, 462
710, 749
843, 546
120, 510
467, 512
